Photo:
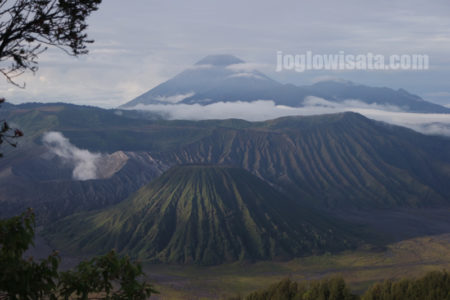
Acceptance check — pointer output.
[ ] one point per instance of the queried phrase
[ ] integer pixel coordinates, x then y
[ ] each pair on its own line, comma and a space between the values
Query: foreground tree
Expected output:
28, 28
23, 278
434, 285
333, 288
104, 277
8, 135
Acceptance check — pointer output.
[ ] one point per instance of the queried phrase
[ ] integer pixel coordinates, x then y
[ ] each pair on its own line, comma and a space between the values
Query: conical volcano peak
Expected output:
204, 214
220, 60
226, 78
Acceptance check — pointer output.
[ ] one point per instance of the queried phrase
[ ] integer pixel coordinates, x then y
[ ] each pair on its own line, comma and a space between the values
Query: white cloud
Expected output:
141, 47
438, 124
266, 109
83, 161
253, 111
105, 79
433, 128
248, 67
199, 67
175, 98
247, 75
110, 51
348, 104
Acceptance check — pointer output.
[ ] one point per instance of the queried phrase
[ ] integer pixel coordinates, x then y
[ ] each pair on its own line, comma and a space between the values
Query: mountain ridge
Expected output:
339, 160
333, 161
226, 78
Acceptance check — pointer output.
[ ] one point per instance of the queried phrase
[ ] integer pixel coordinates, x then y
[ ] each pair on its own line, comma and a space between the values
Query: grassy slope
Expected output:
204, 215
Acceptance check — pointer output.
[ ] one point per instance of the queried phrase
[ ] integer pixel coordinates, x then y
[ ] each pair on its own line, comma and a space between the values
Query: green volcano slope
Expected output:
205, 215
333, 161
339, 161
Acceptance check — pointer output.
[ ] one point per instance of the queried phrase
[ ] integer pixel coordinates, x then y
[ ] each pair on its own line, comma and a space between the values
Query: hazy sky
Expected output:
141, 43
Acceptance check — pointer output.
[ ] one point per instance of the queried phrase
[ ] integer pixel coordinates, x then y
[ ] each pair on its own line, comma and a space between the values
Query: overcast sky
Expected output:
142, 43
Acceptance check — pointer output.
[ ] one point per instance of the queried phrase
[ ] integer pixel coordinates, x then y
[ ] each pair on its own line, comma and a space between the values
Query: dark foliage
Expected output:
326, 289
434, 285
22, 278
27, 27
8, 134
105, 277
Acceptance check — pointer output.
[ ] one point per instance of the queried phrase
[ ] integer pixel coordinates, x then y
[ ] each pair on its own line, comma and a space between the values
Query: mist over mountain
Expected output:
220, 74
225, 78
331, 161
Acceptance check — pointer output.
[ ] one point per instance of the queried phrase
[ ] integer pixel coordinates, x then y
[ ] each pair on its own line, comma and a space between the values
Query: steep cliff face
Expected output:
334, 161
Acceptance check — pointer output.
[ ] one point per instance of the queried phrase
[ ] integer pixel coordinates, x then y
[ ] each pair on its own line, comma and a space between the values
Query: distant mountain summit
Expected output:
220, 60
212, 79
226, 78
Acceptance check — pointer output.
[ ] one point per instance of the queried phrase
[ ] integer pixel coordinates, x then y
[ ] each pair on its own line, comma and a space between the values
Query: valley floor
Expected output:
408, 258
418, 241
